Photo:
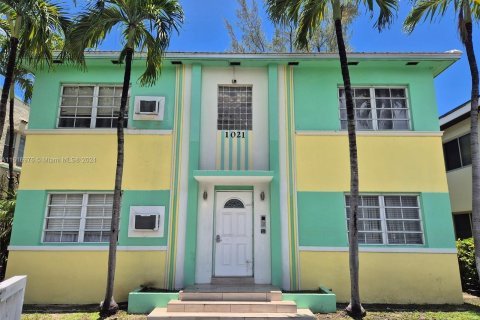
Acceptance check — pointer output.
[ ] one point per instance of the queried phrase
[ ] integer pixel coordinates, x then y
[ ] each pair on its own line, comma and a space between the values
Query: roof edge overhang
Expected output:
438, 61
455, 115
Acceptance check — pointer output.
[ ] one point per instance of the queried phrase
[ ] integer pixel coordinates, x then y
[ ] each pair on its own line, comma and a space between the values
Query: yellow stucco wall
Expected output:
62, 277
47, 166
419, 278
459, 180
386, 163
460, 186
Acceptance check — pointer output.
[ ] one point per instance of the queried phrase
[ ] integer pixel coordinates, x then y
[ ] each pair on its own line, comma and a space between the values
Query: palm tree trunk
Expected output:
11, 176
474, 143
12, 57
355, 307
109, 306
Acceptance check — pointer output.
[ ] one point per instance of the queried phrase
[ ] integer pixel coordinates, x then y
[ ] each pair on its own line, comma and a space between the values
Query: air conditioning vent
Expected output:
144, 222
148, 107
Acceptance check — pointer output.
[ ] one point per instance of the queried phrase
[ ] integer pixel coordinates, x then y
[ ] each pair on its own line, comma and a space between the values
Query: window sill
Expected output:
406, 133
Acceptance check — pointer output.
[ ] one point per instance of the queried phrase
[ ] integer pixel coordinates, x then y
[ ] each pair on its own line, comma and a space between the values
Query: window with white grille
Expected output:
388, 219
234, 107
90, 106
378, 108
78, 217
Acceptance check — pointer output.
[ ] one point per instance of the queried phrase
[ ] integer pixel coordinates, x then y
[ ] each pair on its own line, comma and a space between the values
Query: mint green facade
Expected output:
329, 208
30, 216
294, 220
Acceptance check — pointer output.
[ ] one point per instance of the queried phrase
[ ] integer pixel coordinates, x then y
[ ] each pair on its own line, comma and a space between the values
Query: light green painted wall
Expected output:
437, 220
193, 164
143, 198
45, 101
316, 94
321, 220
28, 218
275, 223
30, 214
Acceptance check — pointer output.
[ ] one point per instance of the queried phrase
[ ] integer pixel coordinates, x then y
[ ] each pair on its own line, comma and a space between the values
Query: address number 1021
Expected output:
235, 134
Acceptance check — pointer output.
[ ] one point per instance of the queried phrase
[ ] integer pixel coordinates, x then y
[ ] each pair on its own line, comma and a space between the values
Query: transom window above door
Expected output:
234, 107
377, 108
90, 106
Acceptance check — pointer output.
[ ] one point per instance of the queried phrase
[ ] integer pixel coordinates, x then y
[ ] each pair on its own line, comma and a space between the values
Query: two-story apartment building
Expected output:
458, 162
237, 165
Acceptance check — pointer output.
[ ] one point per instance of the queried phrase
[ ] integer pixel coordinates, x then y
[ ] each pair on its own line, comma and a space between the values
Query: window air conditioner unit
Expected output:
146, 221
149, 108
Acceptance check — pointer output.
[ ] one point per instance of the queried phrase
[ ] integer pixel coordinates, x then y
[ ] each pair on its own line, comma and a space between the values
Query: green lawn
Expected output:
468, 311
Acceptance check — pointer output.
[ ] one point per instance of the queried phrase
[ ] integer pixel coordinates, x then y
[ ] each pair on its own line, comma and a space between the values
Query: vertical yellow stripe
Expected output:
218, 150
250, 153
242, 154
226, 153
234, 153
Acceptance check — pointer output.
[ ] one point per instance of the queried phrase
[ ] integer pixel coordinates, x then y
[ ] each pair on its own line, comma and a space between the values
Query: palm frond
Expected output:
284, 11
387, 11
423, 10
311, 15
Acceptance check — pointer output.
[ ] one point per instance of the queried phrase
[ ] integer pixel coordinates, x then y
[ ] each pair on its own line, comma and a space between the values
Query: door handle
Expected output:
218, 239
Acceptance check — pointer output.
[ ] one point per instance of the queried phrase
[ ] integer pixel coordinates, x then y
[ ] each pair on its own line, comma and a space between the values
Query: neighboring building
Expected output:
458, 162
20, 118
237, 165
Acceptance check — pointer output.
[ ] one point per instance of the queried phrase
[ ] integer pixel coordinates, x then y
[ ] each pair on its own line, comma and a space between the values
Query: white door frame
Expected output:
235, 269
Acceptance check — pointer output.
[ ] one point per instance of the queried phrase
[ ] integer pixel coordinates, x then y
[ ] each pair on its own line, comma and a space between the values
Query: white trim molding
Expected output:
86, 248
95, 131
380, 249
405, 133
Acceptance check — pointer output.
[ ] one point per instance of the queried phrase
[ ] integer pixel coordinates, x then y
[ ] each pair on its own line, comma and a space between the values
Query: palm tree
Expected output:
24, 79
466, 11
30, 27
145, 25
307, 15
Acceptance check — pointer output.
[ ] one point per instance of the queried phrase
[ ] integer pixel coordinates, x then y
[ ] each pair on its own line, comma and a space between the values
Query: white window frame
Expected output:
373, 104
94, 106
383, 219
83, 217
157, 115
457, 138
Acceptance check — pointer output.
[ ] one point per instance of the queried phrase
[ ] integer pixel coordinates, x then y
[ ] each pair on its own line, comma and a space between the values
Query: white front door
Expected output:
233, 239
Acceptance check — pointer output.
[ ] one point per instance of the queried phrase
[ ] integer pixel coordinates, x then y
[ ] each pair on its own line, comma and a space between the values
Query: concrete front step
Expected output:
232, 280
230, 296
162, 313
232, 306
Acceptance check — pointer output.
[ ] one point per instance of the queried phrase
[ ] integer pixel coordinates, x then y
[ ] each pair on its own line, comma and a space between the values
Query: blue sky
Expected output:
204, 31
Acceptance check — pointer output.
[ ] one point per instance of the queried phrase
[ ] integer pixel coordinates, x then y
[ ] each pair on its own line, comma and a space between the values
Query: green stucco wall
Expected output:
30, 214
45, 101
316, 94
322, 222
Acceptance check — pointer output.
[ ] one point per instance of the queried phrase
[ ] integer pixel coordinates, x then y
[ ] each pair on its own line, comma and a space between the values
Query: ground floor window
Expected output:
388, 219
463, 225
78, 217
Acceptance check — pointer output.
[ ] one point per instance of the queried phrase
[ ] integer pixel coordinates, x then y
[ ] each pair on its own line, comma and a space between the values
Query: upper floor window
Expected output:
388, 219
378, 108
90, 106
18, 147
78, 217
234, 107
457, 152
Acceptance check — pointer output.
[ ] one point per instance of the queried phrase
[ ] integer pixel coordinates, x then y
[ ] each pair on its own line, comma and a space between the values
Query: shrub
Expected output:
466, 261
